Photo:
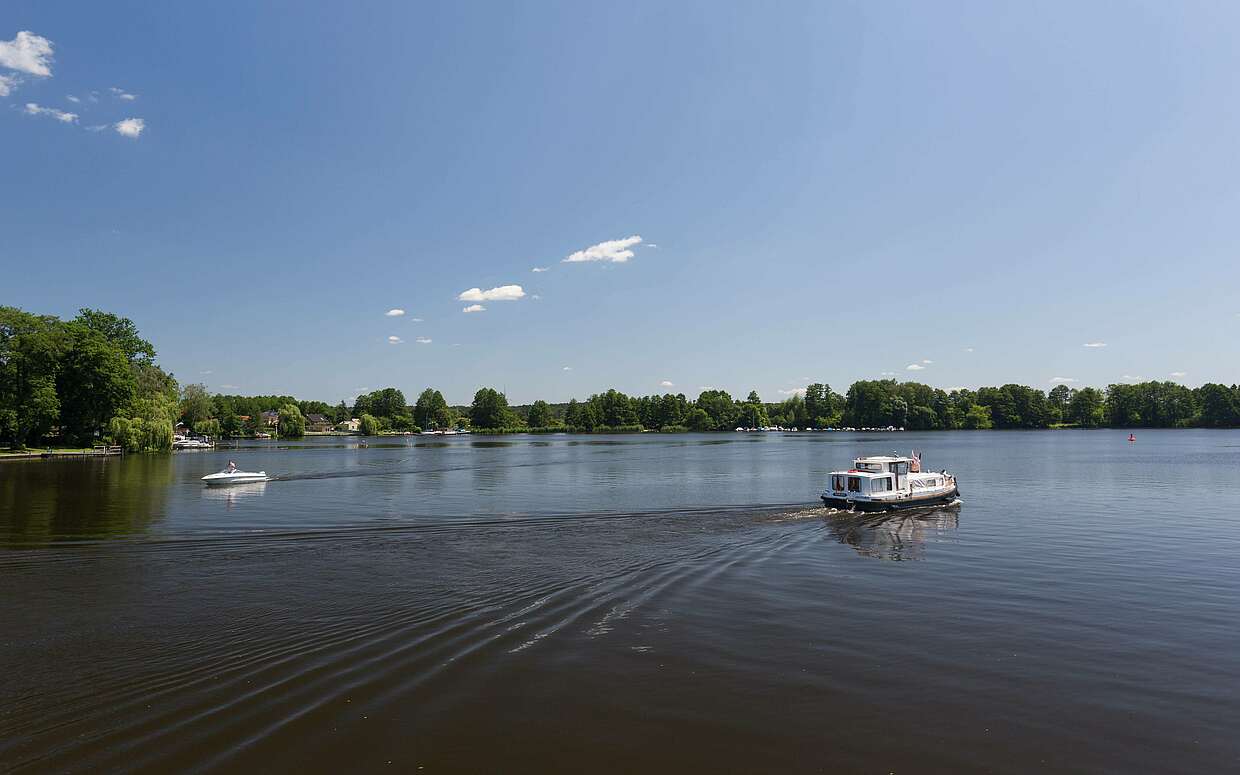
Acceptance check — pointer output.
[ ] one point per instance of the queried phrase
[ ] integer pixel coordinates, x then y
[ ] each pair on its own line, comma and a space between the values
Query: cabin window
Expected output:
854, 484
900, 468
880, 485
837, 482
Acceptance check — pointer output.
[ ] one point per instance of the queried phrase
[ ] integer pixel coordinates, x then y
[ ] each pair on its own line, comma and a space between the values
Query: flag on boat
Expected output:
915, 466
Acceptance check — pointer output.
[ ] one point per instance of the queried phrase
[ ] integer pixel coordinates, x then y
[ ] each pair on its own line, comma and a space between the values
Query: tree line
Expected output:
93, 379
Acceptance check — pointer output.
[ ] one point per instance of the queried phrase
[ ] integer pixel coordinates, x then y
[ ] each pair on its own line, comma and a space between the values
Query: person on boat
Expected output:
231, 467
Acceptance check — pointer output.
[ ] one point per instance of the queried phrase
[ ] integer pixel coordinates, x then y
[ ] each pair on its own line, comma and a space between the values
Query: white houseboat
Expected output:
887, 482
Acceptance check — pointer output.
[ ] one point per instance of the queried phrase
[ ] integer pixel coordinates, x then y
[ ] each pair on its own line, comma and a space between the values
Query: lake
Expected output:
625, 603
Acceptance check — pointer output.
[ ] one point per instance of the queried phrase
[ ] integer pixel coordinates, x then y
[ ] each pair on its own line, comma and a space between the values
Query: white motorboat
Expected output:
234, 477
884, 483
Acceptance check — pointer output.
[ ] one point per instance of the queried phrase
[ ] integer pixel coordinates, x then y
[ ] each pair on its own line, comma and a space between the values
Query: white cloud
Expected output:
538, 269
423, 340
793, 392
535, 297
33, 109
7, 84
208, 371
502, 293
651, 245
415, 320
1178, 374
97, 127
1130, 378
567, 368
121, 94
72, 99
230, 387
927, 361
130, 127
914, 367
614, 251
27, 53
1094, 344
475, 308
394, 312
968, 349
395, 340
888, 374
1062, 380
667, 383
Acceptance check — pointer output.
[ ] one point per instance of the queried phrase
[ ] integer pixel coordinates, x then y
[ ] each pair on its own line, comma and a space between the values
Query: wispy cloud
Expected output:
616, 251
793, 392
1062, 380
33, 109
927, 361
423, 340
1131, 378
394, 313
1094, 344
416, 320
968, 349
887, 374
27, 53
130, 127
72, 99
651, 245
121, 94
208, 371
914, 367
230, 387
7, 84
502, 293
567, 368
538, 269
475, 308
395, 340
1178, 374
667, 383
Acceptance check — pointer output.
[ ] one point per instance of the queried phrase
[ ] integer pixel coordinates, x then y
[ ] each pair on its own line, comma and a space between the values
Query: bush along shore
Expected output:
93, 381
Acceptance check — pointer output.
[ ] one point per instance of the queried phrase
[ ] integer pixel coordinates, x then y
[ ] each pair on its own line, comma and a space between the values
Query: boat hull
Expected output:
892, 505
221, 480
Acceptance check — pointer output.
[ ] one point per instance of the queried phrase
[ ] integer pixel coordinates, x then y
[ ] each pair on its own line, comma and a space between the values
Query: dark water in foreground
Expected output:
632, 603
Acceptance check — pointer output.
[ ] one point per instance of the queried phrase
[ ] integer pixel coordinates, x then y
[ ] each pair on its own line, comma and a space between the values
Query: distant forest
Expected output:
94, 380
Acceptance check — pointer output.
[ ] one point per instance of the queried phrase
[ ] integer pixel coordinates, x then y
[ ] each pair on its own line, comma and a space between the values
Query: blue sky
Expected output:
822, 192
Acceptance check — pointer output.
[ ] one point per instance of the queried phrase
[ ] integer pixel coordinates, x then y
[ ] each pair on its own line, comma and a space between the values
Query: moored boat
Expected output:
888, 482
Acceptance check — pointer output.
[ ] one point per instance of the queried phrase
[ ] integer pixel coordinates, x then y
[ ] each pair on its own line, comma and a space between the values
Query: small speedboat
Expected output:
886, 483
234, 477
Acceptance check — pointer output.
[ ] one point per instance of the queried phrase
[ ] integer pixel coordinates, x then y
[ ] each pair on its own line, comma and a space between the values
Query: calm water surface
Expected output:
627, 603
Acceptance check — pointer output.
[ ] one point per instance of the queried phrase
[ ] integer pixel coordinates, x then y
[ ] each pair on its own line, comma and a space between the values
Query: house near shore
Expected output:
352, 425
318, 423
270, 418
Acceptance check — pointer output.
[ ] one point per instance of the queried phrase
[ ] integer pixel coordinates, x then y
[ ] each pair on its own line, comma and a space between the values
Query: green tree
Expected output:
1058, 398
94, 383
1086, 407
977, 418
119, 332
699, 420
490, 410
210, 427
31, 349
196, 404
540, 415
370, 425
753, 412
431, 410
291, 425
719, 406
1220, 405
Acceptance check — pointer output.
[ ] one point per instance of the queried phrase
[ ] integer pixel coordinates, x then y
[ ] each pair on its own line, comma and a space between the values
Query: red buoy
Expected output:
1132, 437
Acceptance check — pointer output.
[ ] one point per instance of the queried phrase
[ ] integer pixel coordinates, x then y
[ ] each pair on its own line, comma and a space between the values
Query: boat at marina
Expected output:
192, 442
234, 477
889, 482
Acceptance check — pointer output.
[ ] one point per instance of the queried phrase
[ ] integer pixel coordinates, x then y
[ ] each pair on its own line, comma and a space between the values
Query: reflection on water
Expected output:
43, 501
898, 535
235, 493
